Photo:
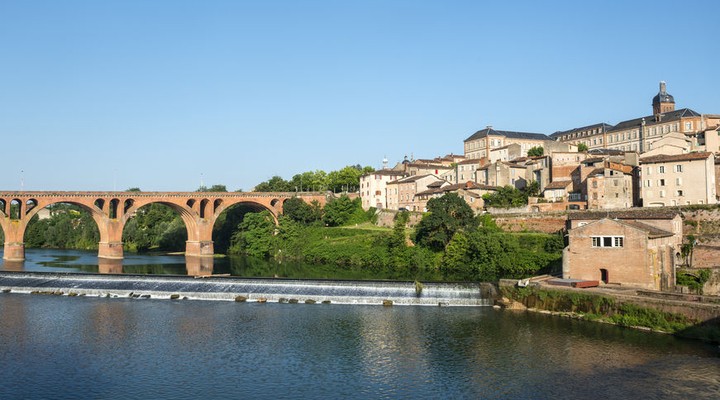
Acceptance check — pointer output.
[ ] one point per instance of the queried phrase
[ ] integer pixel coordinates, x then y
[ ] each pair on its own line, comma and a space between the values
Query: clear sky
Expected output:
161, 95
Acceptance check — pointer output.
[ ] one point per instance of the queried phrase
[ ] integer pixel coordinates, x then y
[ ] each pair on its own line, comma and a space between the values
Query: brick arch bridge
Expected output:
112, 210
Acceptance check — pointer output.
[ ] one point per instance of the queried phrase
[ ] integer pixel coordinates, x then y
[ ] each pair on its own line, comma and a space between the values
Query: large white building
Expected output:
373, 187
674, 180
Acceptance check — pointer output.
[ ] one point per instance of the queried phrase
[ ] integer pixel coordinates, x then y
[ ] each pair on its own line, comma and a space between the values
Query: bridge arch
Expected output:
160, 215
228, 218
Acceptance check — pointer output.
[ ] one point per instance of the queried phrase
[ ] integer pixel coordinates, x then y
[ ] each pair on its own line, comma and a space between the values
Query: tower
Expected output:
663, 102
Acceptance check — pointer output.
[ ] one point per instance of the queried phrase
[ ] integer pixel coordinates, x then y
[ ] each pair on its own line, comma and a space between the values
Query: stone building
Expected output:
480, 144
641, 134
373, 187
502, 173
637, 248
401, 193
610, 186
672, 180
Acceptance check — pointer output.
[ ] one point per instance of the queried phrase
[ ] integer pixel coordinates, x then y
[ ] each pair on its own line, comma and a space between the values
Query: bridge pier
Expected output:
199, 248
14, 251
112, 250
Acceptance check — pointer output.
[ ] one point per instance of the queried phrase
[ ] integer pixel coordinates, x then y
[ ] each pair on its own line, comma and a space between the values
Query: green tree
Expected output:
532, 189
274, 184
536, 151
300, 211
447, 215
213, 188
582, 147
339, 211
310, 181
397, 247
687, 248
456, 259
347, 179
506, 197
255, 235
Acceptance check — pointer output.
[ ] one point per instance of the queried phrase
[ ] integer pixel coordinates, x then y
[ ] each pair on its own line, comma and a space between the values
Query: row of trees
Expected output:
449, 240
344, 180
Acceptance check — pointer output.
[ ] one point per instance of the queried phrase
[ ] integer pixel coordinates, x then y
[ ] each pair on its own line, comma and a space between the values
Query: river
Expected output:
55, 260
63, 347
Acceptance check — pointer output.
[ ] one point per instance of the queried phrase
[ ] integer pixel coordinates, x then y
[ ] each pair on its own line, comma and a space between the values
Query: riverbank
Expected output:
688, 316
252, 290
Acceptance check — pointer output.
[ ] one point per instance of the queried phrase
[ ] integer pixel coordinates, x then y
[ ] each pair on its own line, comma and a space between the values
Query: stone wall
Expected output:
712, 286
704, 224
531, 222
386, 218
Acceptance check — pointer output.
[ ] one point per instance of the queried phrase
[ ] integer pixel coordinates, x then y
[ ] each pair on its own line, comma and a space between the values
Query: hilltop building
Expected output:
642, 134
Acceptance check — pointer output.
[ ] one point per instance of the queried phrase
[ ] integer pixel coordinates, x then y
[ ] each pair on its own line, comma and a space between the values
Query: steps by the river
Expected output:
250, 289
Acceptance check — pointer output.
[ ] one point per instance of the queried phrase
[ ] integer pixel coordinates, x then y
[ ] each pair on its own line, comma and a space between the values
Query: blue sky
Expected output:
103, 95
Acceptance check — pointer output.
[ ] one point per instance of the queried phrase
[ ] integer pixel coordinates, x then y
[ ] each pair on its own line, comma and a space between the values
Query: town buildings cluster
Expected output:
667, 158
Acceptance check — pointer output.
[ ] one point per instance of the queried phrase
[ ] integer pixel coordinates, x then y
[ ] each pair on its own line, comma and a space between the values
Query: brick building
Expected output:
636, 248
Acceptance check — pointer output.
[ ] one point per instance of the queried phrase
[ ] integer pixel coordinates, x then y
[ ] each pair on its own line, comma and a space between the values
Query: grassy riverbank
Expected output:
607, 308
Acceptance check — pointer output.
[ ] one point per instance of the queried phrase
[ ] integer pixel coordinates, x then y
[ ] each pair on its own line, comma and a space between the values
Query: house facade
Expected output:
673, 180
629, 248
401, 193
373, 187
481, 143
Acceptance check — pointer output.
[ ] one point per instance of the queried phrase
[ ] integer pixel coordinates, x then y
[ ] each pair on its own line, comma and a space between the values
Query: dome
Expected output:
663, 96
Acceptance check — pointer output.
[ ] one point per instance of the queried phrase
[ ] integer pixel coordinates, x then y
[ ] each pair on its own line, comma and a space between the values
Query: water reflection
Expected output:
13, 266
53, 260
199, 266
110, 266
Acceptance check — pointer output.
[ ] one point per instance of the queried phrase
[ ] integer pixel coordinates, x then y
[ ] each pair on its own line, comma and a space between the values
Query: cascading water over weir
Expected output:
251, 289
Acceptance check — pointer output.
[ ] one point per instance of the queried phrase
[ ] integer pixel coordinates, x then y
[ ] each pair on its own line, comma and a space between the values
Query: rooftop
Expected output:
509, 134
642, 213
702, 155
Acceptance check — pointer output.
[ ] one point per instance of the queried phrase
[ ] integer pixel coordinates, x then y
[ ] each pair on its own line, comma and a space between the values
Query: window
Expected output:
661, 182
688, 126
678, 181
607, 241
679, 193
648, 183
649, 170
662, 193
661, 169
678, 168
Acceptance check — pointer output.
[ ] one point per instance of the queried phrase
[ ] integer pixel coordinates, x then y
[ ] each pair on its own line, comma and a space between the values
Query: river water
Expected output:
55, 260
58, 347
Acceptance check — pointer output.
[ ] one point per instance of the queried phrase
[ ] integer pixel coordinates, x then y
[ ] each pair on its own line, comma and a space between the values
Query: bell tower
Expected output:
663, 102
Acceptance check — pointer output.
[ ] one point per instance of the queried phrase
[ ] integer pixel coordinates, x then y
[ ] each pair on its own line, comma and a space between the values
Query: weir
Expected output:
252, 289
